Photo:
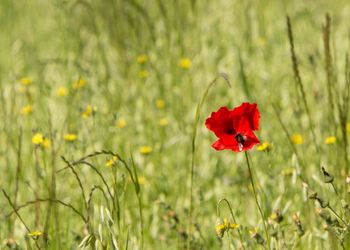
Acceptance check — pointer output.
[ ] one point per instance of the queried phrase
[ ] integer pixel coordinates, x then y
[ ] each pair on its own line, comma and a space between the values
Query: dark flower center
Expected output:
230, 131
239, 138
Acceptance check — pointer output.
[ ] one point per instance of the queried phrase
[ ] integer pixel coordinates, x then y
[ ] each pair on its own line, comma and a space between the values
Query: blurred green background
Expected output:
126, 76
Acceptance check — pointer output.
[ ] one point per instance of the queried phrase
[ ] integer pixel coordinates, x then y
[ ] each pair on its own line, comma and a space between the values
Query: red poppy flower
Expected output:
234, 128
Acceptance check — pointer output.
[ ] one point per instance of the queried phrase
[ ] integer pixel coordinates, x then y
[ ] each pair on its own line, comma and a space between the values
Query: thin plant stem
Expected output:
329, 69
15, 210
335, 189
19, 207
232, 215
19, 216
193, 151
139, 199
256, 198
337, 215
299, 83
94, 188
131, 171
301, 175
18, 172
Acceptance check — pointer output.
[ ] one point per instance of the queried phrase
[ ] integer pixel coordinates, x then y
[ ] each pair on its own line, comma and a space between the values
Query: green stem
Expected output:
334, 188
337, 215
256, 199
141, 220
193, 151
233, 217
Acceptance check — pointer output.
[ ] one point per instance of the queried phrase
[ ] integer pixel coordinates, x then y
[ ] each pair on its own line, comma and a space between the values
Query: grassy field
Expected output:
103, 143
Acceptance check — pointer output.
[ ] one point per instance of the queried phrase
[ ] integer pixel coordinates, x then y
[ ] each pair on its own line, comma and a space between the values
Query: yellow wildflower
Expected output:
253, 231
142, 59
264, 147
62, 91
26, 81
88, 111
297, 139
120, 123
112, 161
330, 140
163, 122
225, 226
141, 179
160, 103
275, 217
143, 74
70, 137
37, 139
255, 234
35, 234
220, 230
145, 150
79, 84
185, 63
46, 143
26, 110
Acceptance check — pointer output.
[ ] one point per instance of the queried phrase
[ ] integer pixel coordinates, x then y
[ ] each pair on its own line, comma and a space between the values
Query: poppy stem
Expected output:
256, 198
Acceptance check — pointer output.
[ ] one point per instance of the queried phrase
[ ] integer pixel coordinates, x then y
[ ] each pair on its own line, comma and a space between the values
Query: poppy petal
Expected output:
226, 142
219, 121
250, 111
251, 141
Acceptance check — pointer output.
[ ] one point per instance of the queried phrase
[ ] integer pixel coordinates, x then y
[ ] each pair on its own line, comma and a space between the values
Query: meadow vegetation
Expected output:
103, 143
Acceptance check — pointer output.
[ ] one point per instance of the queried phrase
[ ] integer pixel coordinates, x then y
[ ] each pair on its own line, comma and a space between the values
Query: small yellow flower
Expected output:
185, 63
26, 110
163, 122
120, 123
160, 103
255, 234
330, 140
297, 139
220, 230
264, 147
143, 74
253, 231
37, 139
225, 226
141, 179
142, 59
145, 150
35, 234
111, 161
46, 143
88, 111
62, 91
70, 137
79, 84
26, 81
275, 217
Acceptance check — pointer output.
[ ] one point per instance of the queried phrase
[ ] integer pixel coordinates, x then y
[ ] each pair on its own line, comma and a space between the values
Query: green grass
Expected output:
143, 200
